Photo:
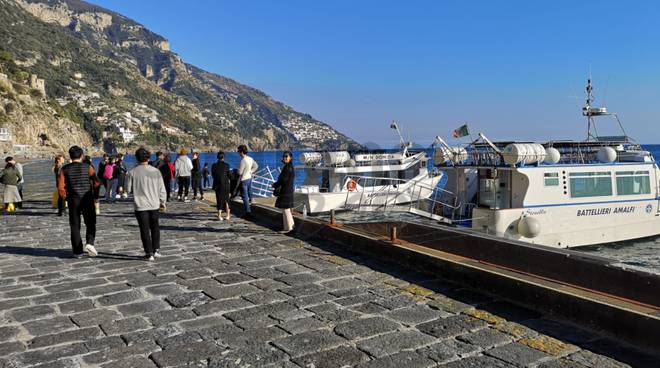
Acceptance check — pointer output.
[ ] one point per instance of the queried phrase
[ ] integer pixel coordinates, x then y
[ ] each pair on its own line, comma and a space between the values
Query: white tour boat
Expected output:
364, 181
559, 193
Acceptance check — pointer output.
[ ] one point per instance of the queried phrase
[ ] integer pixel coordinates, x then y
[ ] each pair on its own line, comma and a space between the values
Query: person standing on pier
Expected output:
164, 168
97, 191
221, 186
57, 167
111, 176
76, 183
196, 177
21, 182
149, 196
101, 169
245, 170
10, 177
283, 190
182, 168
205, 176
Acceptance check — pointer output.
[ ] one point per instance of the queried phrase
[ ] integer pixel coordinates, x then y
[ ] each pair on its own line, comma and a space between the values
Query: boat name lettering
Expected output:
605, 211
540, 211
377, 156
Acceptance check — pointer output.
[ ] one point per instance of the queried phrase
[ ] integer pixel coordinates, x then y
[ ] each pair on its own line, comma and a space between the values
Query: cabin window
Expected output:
551, 179
633, 182
591, 184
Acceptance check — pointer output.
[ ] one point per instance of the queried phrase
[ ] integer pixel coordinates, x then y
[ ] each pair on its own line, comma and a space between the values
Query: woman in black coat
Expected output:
284, 191
220, 174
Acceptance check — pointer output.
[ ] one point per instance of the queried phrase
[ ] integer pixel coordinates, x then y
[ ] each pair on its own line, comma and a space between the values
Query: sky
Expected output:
510, 69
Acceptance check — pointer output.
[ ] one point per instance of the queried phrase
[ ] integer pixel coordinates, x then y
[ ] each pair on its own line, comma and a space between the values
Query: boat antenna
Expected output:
587, 111
404, 144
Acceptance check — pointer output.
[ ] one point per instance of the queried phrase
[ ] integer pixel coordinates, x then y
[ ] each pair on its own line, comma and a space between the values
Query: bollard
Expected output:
333, 220
393, 234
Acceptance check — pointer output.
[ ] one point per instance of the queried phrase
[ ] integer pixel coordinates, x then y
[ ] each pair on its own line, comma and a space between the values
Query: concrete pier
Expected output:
241, 295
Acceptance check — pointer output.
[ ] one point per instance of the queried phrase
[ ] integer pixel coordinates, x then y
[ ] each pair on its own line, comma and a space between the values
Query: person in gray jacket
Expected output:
182, 171
149, 195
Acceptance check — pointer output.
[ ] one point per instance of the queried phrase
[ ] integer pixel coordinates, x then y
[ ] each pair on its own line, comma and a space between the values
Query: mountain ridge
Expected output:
131, 81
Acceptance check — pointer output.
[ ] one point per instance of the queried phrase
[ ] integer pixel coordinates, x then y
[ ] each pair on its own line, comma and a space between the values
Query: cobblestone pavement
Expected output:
242, 295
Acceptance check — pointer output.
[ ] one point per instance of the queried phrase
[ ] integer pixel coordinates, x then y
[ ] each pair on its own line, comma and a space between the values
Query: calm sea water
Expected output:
641, 254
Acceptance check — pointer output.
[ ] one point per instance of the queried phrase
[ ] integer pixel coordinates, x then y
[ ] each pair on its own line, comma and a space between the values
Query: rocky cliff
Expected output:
121, 82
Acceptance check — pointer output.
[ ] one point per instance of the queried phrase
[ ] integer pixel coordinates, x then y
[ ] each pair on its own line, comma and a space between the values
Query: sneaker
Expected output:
97, 209
185, 199
124, 195
157, 254
178, 198
91, 251
149, 258
79, 256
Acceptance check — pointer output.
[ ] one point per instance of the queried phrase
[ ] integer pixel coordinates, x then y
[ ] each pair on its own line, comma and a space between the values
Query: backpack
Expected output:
107, 171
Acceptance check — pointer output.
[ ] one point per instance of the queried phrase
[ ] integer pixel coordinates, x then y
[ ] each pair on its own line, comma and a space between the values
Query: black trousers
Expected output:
197, 185
82, 206
184, 185
60, 205
168, 187
149, 230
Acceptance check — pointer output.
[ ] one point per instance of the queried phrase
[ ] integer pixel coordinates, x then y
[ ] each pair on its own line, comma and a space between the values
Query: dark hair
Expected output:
142, 155
243, 149
9, 158
221, 155
206, 164
105, 155
87, 160
75, 152
159, 153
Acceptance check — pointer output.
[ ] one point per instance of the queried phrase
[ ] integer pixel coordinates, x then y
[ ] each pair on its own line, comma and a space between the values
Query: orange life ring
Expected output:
351, 185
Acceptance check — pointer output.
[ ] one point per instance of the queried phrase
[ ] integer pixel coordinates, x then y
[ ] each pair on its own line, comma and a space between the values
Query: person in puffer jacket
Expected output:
182, 171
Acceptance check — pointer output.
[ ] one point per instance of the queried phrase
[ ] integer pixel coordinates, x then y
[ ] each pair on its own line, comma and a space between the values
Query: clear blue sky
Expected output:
511, 69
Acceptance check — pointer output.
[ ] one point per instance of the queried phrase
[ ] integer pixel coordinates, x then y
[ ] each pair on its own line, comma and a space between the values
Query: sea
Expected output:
642, 254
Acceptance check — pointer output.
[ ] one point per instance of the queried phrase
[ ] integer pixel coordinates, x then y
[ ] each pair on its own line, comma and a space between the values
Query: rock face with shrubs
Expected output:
106, 75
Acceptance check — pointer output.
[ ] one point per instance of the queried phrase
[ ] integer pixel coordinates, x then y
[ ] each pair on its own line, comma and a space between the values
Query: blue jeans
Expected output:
111, 190
246, 185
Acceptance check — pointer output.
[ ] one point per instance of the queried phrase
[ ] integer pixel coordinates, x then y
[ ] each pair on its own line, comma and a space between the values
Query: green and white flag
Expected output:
461, 131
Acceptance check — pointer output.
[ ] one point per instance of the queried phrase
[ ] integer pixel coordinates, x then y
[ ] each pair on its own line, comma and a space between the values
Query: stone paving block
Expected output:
267, 297
396, 302
447, 350
31, 313
187, 353
56, 297
82, 334
230, 291
561, 363
141, 349
184, 338
8, 333
287, 315
218, 331
356, 299
219, 306
22, 293
517, 354
366, 327
301, 325
448, 305
344, 283
122, 326
233, 278
252, 312
369, 308
7, 348
61, 363
120, 298
408, 359
164, 289
190, 299
6, 305
75, 285
164, 317
415, 315
143, 307
199, 323
303, 290
311, 300
451, 326
260, 355
76, 306
194, 273
268, 284
49, 325
486, 338
264, 273
345, 293
589, 359
252, 337
150, 335
299, 279
104, 343
132, 362
309, 342
477, 362
95, 317
256, 322
105, 289
334, 314
395, 341
343, 356
51, 353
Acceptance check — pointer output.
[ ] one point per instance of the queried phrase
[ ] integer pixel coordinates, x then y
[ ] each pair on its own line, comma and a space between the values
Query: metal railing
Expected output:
262, 182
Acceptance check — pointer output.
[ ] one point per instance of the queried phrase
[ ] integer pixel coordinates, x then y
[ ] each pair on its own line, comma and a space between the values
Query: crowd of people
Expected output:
78, 189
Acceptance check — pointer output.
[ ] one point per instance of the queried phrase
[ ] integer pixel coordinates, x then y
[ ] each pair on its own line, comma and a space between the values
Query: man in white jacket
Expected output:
182, 171
245, 170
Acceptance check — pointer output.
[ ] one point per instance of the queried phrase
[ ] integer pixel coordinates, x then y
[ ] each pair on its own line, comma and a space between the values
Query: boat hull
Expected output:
575, 225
